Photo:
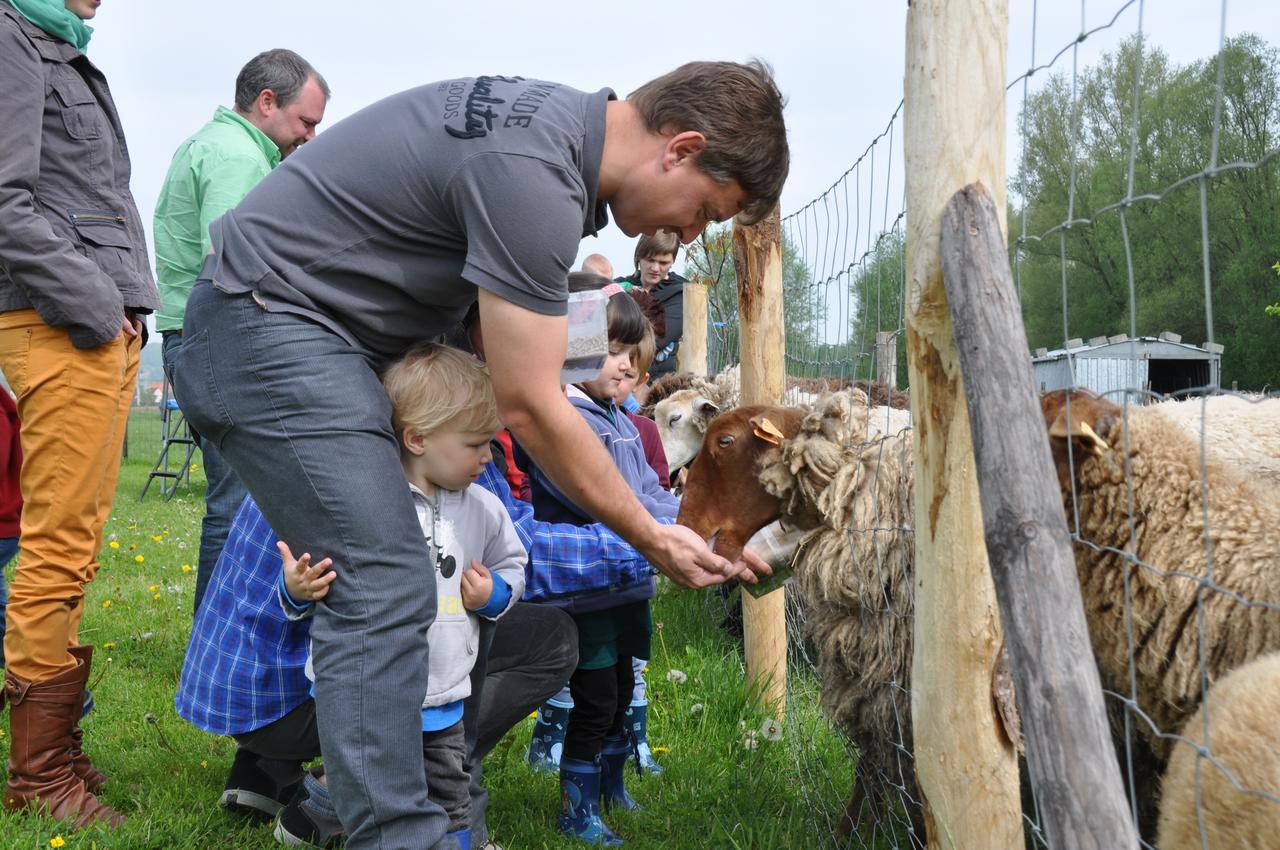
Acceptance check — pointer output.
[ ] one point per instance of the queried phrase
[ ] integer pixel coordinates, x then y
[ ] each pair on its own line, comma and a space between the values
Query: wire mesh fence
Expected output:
1144, 209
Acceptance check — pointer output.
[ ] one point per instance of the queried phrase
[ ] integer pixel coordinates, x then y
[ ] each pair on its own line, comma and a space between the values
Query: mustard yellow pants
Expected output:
74, 405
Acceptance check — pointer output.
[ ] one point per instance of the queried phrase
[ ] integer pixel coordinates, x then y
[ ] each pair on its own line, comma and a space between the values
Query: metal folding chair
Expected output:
175, 437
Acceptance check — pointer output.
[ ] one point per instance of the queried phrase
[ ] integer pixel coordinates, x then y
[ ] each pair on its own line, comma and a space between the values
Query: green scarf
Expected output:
53, 17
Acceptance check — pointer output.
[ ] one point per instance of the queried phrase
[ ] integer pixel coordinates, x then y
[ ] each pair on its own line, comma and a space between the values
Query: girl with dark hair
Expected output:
612, 629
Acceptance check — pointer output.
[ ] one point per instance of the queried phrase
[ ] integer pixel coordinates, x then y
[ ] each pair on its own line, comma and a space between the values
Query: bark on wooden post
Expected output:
1068, 743
954, 133
757, 261
693, 347
887, 358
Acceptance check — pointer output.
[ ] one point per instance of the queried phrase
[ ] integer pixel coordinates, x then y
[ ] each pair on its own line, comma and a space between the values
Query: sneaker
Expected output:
297, 826
251, 792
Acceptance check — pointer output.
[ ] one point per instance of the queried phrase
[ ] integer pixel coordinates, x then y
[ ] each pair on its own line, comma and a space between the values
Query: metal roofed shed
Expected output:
1112, 365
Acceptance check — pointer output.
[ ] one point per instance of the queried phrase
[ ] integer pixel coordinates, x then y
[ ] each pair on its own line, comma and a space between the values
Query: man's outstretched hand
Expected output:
681, 555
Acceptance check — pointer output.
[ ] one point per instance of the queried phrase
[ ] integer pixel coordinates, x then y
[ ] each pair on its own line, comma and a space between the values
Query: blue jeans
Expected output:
222, 496
8, 548
303, 420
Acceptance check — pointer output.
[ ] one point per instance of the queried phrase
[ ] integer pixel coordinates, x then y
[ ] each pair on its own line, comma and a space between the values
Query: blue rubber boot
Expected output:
463, 837
613, 768
580, 804
548, 736
636, 722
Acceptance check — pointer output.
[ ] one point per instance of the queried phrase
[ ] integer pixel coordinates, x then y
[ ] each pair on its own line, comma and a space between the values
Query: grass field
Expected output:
723, 787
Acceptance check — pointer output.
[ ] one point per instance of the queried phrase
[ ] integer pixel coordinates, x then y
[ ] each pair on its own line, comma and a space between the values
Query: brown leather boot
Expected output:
41, 716
93, 778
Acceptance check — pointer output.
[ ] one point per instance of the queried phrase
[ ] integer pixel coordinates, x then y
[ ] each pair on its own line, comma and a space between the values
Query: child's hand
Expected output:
301, 579
477, 586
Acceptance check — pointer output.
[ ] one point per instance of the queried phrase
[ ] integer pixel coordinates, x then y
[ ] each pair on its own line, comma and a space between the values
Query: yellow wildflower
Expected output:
155, 596
114, 544
139, 558
106, 603
153, 588
660, 750
109, 645
133, 527
186, 568
133, 546
157, 537
204, 763
56, 841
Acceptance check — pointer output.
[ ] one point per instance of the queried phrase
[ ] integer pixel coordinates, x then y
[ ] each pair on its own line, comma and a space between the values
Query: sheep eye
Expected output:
674, 419
725, 441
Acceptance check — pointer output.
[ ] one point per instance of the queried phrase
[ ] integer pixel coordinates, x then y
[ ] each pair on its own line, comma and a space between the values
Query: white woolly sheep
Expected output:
1243, 430
1243, 765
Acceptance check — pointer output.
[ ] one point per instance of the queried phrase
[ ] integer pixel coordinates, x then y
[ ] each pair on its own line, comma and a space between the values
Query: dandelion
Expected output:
750, 740
1, 733
204, 763
155, 596
57, 841
139, 558
133, 546
771, 730
114, 544
153, 588
106, 603
133, 527
677, 677
186, 568
696, 708
109, 645
657, 751
157, 537
193, 467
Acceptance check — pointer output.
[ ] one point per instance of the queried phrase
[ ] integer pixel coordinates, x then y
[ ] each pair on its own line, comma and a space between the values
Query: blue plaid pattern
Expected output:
567, 559
245, 663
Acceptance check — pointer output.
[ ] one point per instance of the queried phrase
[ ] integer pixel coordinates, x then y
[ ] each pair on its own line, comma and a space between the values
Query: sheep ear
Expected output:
706, 405
767, 431
1077, 429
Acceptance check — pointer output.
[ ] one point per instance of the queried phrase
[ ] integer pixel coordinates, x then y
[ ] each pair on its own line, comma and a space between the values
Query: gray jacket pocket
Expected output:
81, 114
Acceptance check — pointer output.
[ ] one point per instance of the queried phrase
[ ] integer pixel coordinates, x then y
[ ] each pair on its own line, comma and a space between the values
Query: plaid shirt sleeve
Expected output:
567, 559
246, 661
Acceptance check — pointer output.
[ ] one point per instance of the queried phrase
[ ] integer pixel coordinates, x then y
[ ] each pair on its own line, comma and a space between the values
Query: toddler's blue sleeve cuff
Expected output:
299, 607
499, 599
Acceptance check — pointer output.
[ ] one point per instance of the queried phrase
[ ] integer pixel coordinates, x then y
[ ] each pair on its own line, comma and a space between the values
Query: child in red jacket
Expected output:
10, 496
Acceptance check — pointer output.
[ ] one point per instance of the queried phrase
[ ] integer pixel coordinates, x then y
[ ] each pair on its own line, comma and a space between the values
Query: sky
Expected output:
839, 62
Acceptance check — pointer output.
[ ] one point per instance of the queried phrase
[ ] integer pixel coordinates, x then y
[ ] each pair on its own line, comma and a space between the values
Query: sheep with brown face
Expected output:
832, 470
723, 499
1165, 537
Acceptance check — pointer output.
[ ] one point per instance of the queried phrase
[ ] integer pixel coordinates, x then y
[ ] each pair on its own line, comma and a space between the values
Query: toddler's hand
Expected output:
477, 586
303, 580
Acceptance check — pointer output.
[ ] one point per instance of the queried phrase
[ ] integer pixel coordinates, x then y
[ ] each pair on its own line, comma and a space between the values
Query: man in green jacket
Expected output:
279, 100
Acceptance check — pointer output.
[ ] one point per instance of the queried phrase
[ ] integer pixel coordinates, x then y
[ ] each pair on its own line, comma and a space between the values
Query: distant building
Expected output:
1113, 365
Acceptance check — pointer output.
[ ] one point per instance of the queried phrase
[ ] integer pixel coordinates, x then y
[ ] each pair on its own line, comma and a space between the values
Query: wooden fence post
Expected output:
757, 261
887, 358
1069, 746
954, 133
693, 345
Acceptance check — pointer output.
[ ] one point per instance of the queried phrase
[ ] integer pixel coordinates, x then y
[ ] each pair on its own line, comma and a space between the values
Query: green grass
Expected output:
166, 775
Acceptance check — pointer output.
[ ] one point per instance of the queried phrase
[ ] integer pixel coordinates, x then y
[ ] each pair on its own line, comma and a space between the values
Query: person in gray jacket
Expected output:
74, 282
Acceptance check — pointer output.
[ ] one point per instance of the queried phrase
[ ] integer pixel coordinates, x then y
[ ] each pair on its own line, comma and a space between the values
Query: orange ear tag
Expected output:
769, 432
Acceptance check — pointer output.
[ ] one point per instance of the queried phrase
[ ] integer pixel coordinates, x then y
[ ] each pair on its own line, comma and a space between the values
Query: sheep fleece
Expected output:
1167, 533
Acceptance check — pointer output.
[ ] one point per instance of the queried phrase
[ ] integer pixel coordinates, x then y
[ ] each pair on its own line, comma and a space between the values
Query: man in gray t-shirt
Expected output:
381, 232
